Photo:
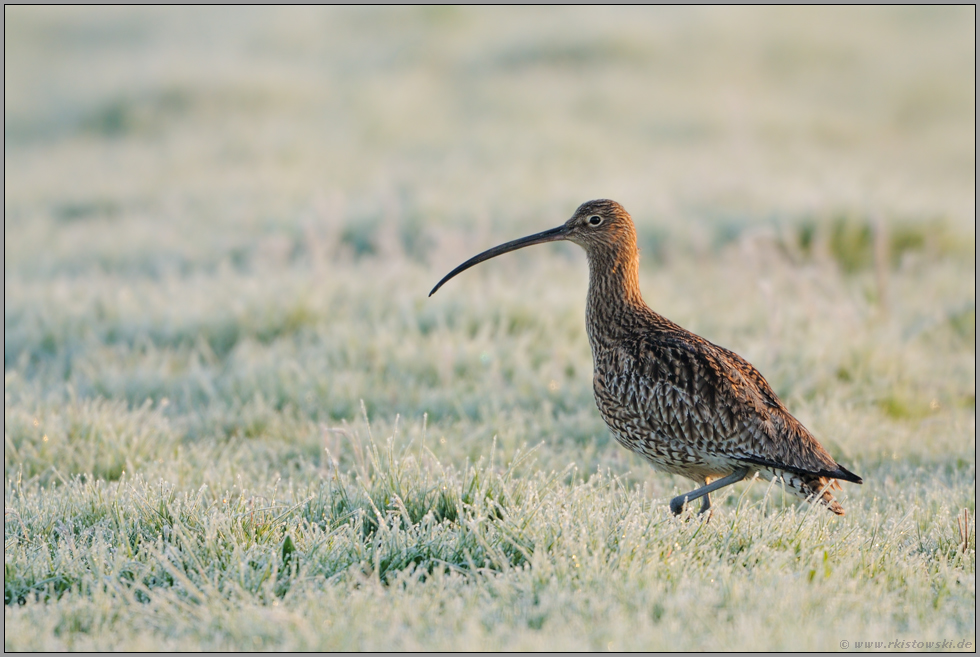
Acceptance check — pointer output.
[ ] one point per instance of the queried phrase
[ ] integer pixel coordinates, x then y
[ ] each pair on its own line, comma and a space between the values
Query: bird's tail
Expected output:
812, 488
818, 489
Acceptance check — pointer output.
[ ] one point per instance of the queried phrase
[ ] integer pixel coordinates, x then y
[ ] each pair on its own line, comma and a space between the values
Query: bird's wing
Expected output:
716, 401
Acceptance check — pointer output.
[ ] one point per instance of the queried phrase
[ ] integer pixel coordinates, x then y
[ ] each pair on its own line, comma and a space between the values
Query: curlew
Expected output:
688, 406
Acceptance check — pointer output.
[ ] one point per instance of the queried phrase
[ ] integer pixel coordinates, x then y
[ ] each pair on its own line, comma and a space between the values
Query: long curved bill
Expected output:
553, 235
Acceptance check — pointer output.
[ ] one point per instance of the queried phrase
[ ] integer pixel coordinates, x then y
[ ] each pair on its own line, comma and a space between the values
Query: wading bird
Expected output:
688, 406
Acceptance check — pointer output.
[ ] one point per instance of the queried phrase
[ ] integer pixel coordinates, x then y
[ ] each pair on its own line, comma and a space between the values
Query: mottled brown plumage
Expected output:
688, 406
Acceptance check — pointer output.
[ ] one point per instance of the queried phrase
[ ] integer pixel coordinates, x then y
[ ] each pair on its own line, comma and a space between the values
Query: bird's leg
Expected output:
677, 504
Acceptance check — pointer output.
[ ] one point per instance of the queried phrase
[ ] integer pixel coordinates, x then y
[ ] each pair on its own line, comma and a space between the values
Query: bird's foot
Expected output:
677, 506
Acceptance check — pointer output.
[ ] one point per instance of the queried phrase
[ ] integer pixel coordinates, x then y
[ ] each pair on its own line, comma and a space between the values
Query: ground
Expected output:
233, 419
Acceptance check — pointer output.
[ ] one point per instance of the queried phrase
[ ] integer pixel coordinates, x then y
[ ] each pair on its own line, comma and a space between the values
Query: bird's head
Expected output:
599, 227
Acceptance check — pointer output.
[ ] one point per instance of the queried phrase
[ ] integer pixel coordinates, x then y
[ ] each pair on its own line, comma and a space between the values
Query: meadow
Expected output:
233, 419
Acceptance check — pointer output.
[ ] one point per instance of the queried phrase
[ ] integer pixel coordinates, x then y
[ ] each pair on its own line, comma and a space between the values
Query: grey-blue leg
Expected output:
677, 504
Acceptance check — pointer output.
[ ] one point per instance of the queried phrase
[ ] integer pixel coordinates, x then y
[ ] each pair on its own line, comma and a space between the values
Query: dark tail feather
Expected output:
843, 473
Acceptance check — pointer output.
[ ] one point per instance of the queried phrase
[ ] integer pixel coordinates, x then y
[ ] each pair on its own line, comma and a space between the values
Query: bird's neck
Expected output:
615, 305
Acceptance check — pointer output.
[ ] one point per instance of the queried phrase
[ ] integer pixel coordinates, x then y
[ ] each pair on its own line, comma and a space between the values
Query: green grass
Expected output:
233, 420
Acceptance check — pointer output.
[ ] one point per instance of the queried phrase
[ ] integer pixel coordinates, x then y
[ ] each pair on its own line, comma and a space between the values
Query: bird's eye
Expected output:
595, 220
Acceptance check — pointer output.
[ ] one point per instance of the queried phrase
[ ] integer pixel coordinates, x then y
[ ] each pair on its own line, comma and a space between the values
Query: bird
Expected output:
690, 407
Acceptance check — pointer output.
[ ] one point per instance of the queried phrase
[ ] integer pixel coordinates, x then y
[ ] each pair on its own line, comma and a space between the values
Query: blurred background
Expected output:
235, 215
455, 116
